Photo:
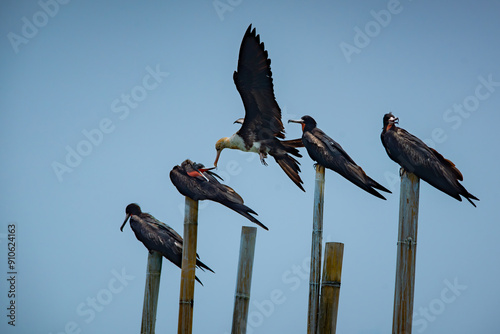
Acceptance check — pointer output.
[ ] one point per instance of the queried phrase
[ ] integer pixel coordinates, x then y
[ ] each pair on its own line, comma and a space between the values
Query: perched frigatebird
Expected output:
199, 183
261, 128
157, 236
328, 153
416, 157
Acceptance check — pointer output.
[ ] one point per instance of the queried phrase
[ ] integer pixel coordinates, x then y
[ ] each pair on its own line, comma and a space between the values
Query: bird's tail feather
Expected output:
291, 167
378, 186
291, 146
245, 211
293, 143
203, 266
468, 195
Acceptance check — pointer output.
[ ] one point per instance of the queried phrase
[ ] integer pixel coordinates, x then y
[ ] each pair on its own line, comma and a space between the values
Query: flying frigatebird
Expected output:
328, 153
416, 157
262, 127
157, 236
199, 183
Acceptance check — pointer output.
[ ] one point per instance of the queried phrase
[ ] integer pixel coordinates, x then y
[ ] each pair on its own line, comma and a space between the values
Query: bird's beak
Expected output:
239, 121
126, 218
295, 121
394, 120
217, 158
201, 170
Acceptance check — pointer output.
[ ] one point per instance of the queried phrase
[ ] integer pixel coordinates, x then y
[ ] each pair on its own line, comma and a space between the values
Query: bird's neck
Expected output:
234, 142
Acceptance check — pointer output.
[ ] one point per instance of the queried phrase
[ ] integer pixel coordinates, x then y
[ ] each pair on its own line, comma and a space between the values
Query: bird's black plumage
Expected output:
198, 183
328, 153
416, 157
262, 128
157, 236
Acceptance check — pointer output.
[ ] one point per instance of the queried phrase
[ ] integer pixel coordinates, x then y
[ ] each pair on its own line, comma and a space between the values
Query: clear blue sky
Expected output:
100, 100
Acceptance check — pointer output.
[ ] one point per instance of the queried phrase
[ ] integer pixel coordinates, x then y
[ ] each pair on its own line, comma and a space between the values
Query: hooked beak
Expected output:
394, 120
202, 170
239, 121
206, 169
296, 121
199, 172
126, 218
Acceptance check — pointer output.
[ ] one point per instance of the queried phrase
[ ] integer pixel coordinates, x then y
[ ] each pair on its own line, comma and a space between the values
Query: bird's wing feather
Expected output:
415, 156
253, 80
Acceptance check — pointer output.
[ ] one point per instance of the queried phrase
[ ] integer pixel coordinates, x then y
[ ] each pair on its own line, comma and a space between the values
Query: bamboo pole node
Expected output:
408, 241
331, 283
242, 295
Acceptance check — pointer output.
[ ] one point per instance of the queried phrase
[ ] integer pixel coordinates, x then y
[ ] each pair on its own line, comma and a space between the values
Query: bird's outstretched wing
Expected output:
254, 82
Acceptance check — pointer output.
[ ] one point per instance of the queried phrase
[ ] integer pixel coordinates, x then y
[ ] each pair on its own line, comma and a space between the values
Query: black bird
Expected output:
199, 183
157, 236
328, 153
416, 157
262, 127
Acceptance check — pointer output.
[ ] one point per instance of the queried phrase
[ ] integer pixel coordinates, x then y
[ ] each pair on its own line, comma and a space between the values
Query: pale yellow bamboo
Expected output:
151, 291
186, 299
244, 280
330, 288
407, 251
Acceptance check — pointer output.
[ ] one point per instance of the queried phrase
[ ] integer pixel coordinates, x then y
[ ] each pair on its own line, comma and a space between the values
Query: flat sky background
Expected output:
71, 75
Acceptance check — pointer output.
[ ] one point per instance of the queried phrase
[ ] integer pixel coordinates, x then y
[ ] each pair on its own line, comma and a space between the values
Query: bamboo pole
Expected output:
330, 288
407, 250
151, 291
244, 280
317, 239
186, 299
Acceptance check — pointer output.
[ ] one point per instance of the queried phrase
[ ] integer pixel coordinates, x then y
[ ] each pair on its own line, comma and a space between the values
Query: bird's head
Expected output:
308, 123
389, 121
219, 146
131, 209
